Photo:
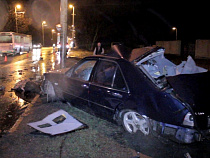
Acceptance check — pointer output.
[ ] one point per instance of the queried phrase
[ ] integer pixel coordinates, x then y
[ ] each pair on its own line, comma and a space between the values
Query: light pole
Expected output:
17, 7
53, 31
174, 28
43, 25
73, 27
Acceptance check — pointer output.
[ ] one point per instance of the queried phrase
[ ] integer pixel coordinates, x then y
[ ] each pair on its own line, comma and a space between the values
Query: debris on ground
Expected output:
20, 85
57, 123
32, 87
27, 86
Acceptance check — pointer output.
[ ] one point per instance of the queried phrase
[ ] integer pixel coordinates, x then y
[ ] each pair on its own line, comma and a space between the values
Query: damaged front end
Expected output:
187, 83
176, 133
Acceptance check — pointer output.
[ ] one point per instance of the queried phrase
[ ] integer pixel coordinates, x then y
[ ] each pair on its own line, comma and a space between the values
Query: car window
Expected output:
119, 82
84, 70
105, 73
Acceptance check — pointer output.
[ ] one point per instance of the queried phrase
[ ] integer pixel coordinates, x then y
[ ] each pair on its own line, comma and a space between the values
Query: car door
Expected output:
108, 88
77, 83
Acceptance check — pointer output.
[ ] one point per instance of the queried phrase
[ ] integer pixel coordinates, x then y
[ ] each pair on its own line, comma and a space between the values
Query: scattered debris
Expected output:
27, 86
32, 87
57, 123
20, 85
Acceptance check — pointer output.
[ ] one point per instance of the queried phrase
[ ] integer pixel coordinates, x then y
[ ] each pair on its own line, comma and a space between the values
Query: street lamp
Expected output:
18, 6
53, 31
174, 28
43, 25
73, 27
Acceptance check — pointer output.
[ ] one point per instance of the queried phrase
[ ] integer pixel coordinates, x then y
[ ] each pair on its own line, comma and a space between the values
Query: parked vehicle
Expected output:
37, 46
143, 93
14, 43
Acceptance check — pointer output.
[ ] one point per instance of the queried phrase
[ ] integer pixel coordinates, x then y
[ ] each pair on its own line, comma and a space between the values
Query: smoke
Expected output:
3, 14
45, 10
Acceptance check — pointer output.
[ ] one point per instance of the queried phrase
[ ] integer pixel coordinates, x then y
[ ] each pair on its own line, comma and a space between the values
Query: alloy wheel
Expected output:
132, 122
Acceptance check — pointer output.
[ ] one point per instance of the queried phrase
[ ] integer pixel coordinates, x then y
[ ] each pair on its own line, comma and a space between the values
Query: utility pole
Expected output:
63, 35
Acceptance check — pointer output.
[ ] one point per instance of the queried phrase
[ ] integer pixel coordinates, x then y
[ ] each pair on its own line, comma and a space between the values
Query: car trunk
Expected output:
189, 82
194, 90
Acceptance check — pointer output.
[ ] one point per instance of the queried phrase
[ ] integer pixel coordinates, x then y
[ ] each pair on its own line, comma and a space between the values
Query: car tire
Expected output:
133, 121
49, 90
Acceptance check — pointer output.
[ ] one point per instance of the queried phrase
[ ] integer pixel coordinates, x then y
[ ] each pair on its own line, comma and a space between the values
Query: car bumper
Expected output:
182, 134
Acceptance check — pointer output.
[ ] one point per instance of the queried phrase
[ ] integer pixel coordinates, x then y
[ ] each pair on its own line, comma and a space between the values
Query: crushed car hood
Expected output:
193, 89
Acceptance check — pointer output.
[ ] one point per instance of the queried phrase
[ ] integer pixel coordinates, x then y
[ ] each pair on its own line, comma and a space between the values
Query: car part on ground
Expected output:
57, 123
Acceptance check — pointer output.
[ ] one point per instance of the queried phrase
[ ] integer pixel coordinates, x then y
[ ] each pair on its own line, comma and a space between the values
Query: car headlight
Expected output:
188, 120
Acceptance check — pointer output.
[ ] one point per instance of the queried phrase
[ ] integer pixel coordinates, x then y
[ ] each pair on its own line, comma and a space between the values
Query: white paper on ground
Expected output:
68, 124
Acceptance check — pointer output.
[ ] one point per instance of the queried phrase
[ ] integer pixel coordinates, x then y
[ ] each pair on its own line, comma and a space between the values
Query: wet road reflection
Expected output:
29, 66
20, 67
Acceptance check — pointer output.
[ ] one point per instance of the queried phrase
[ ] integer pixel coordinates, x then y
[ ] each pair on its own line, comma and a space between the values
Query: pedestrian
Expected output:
98, 49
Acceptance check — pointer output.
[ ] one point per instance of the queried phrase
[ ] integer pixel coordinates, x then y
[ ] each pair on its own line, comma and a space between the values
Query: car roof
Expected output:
104, 57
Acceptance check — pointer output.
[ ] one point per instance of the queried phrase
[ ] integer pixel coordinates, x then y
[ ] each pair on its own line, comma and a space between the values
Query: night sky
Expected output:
134, 22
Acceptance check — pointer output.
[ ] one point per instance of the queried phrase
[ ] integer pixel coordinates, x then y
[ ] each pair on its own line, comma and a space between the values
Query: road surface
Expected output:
20, 67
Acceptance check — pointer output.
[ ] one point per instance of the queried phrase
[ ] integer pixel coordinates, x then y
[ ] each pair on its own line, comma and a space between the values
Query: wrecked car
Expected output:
144, 92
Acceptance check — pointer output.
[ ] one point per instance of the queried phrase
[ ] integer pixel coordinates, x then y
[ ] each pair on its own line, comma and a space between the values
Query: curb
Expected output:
19, 120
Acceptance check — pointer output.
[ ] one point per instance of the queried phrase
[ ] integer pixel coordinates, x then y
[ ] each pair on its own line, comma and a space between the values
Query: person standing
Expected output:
98, 49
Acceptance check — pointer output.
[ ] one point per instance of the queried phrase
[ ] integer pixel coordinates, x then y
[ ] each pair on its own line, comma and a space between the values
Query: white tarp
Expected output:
57, 123
189, 67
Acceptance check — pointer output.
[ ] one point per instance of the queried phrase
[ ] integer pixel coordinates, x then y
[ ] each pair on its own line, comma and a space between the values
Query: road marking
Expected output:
17, 123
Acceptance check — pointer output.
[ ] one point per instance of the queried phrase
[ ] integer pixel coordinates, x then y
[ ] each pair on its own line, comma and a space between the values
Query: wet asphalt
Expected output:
30, 66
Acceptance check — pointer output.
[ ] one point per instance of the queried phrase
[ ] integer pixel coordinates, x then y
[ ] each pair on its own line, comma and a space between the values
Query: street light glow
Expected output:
73, 27
18, 6
173, 28
43, 25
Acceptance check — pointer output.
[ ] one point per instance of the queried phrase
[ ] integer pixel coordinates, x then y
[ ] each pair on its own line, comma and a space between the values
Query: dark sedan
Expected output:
144, 93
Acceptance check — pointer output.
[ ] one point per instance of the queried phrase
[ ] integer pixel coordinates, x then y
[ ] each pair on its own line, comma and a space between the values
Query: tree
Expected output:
23, 22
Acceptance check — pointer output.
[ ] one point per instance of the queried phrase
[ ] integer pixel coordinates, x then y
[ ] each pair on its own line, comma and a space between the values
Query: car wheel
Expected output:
49, 90
133, 121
